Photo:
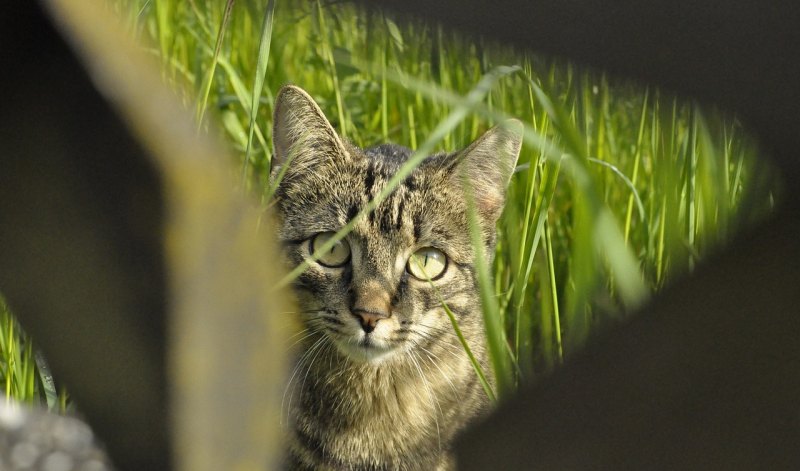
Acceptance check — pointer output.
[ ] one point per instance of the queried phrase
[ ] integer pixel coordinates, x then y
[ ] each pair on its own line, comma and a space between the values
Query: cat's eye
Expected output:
336, 256
427, 263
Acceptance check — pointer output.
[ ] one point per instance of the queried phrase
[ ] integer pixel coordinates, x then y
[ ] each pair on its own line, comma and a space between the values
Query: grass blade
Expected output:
495, 330
454, 322
258, 82
209, 79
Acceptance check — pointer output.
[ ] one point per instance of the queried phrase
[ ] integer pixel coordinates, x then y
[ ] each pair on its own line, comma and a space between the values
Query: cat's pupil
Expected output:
427, 263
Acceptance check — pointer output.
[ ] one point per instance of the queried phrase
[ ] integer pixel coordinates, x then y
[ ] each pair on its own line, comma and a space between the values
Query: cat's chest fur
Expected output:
382, 380
395, 416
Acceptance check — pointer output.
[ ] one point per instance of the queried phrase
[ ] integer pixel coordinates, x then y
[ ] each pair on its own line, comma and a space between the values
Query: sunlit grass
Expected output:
619, 188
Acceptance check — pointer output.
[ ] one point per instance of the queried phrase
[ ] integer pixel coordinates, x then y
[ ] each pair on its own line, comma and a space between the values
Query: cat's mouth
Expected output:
366, 349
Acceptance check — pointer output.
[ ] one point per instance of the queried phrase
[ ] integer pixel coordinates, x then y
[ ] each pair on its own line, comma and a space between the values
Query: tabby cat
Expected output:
382, 382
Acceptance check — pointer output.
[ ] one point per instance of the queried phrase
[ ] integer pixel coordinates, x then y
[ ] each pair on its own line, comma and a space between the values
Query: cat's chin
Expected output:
365, 352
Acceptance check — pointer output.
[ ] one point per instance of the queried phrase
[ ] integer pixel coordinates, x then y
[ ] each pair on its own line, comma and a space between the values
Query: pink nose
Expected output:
369, 319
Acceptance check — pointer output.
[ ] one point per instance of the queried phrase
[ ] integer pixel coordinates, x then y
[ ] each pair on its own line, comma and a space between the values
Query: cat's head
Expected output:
379, 291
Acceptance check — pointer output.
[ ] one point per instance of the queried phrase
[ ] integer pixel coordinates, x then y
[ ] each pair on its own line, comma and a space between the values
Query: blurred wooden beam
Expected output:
81, 259
120, 229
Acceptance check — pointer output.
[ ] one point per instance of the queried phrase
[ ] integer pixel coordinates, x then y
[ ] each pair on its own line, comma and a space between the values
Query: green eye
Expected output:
427, 263
336, 256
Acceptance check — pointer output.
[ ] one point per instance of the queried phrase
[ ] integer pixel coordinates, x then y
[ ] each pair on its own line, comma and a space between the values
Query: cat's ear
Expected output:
487, 165
301, 132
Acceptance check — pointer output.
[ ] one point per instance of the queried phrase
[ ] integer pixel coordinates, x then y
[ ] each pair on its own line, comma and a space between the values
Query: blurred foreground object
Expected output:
127, 254
33, 439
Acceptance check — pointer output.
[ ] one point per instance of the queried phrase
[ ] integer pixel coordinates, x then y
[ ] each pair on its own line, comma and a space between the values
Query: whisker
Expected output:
431, 340
332, 320
433, 359
308, 333
311, 364
431, 396
296, 369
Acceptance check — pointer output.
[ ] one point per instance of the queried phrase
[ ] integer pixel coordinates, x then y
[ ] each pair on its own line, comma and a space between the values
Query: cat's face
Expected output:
380, 290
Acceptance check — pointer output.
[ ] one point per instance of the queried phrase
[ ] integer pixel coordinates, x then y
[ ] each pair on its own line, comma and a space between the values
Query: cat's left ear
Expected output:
300, 130
487, 165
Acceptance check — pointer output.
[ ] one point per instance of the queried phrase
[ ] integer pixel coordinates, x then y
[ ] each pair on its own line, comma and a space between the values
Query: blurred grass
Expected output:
24, 374
620, 187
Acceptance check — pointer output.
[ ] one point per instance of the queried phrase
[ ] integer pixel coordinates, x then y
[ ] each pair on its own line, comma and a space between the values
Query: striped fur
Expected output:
395, 397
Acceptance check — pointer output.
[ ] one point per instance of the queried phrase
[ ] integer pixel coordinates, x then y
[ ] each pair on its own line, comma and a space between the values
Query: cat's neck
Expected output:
410, 387
404, 377
391, 410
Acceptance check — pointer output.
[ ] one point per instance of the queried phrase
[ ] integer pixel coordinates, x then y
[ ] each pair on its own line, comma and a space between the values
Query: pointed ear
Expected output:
301, 132
488, 164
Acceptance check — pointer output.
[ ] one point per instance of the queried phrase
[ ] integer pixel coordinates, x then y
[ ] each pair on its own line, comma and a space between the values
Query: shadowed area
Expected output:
706, 377
81, 261
80, 249
119, 229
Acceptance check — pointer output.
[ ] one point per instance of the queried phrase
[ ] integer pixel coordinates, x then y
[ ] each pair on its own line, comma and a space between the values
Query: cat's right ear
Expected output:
300, 131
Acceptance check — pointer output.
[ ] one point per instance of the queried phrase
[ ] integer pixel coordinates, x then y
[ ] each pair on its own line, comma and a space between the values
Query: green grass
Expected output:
620, 187
24, 375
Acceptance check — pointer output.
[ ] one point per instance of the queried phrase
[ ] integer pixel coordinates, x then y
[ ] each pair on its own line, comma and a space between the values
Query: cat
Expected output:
383, 382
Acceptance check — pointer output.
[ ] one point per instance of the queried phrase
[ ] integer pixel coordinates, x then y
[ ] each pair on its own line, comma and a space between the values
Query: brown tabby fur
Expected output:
395, 397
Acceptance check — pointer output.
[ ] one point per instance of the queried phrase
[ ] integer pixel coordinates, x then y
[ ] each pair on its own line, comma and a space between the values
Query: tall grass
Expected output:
24, 374
620, 187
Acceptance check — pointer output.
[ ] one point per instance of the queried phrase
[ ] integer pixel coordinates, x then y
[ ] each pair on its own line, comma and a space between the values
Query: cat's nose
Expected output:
369, 319
372, 303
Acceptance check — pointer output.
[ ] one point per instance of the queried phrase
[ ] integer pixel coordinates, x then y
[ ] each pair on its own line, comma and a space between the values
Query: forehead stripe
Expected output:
352, 211
398, 224
369, 181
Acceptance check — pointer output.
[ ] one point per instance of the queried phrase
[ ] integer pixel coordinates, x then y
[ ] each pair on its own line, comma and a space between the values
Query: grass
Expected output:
620, 187
24, 375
